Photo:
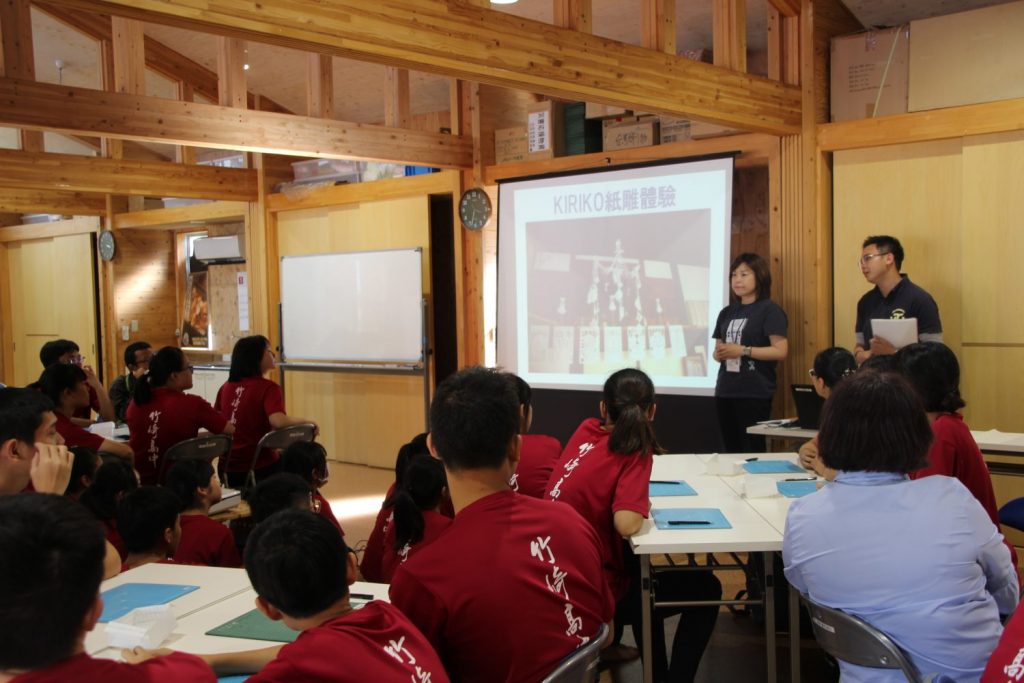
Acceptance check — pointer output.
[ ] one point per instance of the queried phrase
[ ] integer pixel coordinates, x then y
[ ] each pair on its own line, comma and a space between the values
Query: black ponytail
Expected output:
162, 365
628, 397
422, 487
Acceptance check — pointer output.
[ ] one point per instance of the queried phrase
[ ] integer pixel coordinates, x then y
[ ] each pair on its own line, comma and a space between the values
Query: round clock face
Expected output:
106, 245
474, 208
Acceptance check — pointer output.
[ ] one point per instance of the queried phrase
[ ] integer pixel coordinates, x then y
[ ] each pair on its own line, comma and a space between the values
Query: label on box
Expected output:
540, 131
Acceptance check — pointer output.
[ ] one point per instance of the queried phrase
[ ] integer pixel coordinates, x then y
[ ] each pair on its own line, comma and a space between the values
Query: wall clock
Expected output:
474, 208
106, 245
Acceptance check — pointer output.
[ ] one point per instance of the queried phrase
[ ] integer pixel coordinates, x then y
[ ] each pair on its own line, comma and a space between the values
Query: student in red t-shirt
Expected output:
605, 473
50, 576
113, 481
161, 414
308, 460
538, 454
281, 491
1006, 664
31, 450
66, 352
515, 583
83, 470
147, 519
373, 554
203, 540
255, 406
66, 386
417, 513
301, 569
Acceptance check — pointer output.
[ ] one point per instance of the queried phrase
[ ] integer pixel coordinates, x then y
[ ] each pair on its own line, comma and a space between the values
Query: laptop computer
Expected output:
808, 405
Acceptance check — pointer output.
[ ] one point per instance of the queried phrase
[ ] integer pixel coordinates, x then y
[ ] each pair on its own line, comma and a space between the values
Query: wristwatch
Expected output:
747, 351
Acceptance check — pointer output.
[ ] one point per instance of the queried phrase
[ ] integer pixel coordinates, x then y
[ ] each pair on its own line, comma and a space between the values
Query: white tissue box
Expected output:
145, 626
723, 464
760, 486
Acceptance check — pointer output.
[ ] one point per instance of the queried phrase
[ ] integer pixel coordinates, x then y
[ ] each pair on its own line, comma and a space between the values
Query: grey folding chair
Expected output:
279, 439
581, 665
853, 640
206, 447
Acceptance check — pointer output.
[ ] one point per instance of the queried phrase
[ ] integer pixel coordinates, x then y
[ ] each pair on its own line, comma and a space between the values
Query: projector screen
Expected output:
598, 271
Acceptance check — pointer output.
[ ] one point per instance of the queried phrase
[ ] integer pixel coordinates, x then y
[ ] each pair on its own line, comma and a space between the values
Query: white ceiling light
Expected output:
504, 2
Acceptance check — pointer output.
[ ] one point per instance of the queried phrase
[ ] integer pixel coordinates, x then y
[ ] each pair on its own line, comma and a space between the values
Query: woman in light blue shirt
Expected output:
919, 560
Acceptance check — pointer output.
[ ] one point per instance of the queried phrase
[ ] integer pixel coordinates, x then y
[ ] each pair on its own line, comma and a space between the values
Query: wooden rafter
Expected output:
42, 106
42, 171
16, 200
457, 39
787, 8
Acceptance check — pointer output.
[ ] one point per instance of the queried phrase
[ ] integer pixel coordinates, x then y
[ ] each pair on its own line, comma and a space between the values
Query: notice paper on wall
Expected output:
243, 302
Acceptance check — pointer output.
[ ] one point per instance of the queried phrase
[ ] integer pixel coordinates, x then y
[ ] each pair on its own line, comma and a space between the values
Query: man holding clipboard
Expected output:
894, 298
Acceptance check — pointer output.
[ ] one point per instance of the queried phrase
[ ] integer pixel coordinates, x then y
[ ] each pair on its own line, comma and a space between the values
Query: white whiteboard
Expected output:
358, 306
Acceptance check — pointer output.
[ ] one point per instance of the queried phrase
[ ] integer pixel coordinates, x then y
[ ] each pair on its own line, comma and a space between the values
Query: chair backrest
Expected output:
279, 439
853, 640
205, 447
581, 665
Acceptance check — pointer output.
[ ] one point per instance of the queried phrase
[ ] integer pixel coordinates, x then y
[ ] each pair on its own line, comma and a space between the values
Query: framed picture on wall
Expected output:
195, 328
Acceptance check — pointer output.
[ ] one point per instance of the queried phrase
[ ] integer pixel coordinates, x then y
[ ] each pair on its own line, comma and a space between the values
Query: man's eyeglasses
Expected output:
812, 373
867, 258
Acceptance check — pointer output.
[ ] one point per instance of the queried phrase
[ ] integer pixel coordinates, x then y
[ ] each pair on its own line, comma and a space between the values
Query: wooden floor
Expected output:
736, 651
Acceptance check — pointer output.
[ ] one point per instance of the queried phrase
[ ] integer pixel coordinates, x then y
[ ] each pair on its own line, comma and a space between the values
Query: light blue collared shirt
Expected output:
919, 560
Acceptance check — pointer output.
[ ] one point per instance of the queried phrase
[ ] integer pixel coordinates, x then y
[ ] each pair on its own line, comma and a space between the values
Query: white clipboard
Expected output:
899, 332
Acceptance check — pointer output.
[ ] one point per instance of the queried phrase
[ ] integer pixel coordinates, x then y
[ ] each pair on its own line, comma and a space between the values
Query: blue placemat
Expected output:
772, 467
663, 518
670, 488
233, 679
796, 489
121, 600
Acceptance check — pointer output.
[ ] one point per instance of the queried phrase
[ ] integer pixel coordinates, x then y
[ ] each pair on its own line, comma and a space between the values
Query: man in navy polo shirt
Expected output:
894, 297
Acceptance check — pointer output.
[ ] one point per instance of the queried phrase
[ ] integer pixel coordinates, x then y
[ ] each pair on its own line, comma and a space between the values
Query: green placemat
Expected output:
255, 626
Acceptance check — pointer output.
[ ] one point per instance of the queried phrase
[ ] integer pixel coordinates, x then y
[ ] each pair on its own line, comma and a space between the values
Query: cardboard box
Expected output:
545, 137
866, 64
604, 111
625, 132
672, 129
967, 58
510, 144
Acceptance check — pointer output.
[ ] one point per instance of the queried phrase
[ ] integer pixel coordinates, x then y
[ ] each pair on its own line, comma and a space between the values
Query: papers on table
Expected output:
670, 488
690, 518
121, 600
772, 467
899, 332
229, 498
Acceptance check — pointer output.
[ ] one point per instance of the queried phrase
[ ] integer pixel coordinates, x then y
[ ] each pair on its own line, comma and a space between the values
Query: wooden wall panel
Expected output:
990, 381
914, 193
145, 288
363, 417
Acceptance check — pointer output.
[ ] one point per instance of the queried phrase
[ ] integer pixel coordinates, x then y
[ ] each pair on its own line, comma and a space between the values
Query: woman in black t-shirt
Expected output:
750, 339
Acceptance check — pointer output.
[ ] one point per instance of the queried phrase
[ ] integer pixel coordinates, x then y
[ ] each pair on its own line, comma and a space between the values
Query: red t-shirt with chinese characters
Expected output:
327, 513
374, 643
1006, 664
75, 435
112, 535
598, 483
207, 542
94, 404
82, 668
537, 457
373, 553
508, 590
169, 418
248, 405
433, 524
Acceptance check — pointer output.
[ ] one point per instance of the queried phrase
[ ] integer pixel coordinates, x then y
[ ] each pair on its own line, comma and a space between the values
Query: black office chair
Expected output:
205, 447
853, 640
279, 439
581, 665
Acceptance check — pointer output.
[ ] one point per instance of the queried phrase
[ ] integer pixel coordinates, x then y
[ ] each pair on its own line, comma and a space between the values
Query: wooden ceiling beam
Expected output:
787, 8
43, 106
41, 171
18, 58
455, 38
18, 200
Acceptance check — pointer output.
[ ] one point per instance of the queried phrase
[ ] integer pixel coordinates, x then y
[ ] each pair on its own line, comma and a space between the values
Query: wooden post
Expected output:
576, 14
659, 25
319, 86
231, 90
396, 97
730, 34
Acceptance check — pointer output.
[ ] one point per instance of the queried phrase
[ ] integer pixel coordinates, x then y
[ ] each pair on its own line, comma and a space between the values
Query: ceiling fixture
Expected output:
59, 63
245, 67
504, 2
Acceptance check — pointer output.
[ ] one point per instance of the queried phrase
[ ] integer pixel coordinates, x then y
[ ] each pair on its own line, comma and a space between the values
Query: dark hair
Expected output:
129, 351
51, 351
297, 561
143, 516
424, 483
114, 478
525, 394
886, 245
275, 493
473, 419
21, 413
762, 274
49, 577
85, 464
416, 448
833, 364
628, 395
933, 370
884, 363
185, 477
247, 356
162, 365
58, 378
875, 422
302, 458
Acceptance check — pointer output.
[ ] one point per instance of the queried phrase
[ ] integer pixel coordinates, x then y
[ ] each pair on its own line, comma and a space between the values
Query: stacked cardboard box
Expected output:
625, 132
